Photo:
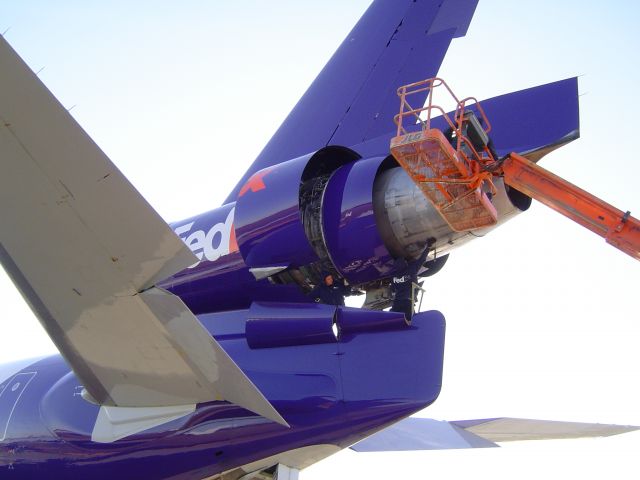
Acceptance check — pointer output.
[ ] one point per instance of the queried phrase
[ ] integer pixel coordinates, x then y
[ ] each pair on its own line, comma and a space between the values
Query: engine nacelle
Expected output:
330, 211
311, 215
406, 219
277, 219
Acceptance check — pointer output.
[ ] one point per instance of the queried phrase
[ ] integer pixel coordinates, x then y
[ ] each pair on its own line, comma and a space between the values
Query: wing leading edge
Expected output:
85, 250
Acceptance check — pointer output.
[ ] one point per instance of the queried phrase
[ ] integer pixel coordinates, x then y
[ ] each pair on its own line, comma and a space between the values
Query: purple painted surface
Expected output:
351, 321
210, 237
522, 121
349, 223
268, 223
221, 280
534, 118
329, 393
371, 114
394, 43
288, 324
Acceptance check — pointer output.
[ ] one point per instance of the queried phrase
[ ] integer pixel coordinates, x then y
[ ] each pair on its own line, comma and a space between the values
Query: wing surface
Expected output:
85, 250
429, 434
353, 99
517, 429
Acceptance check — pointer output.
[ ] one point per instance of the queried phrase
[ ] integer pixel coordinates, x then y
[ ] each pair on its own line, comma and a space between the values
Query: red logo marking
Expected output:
233, 243
256, 182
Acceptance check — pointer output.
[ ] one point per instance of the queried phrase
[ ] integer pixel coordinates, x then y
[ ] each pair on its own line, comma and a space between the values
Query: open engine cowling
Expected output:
333, 211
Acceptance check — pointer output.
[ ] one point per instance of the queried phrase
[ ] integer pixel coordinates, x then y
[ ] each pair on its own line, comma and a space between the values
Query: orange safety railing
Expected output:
456, 177
451, 173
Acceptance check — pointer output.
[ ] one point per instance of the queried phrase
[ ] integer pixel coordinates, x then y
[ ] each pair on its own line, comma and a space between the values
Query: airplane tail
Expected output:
353, 99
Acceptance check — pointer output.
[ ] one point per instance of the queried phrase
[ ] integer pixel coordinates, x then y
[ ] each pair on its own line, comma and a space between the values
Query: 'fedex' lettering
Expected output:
217, 242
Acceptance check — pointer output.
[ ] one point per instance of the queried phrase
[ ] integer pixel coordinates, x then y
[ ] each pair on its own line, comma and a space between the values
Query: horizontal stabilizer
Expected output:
515, 429
428, 434
421, 434
85, 250
531, 122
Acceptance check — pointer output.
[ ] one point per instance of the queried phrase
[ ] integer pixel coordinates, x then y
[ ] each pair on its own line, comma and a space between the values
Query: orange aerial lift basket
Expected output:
455, 169
447, 167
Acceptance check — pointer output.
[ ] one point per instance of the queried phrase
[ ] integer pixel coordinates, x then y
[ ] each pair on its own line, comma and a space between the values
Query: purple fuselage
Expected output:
331, 391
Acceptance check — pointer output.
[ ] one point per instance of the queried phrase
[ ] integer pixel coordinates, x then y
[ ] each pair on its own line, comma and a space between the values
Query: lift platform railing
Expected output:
452, 172
455, 169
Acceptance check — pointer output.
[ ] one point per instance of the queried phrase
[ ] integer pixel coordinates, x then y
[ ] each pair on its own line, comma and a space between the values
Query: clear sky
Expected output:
542, 320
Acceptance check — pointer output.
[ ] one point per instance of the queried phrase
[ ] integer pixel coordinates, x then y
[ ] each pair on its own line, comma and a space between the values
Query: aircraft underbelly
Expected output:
332, 391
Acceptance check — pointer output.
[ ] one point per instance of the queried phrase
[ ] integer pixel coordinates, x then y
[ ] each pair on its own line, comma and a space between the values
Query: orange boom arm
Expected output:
618, 228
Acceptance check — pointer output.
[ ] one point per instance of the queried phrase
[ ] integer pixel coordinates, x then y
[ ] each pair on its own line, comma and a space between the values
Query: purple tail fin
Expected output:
353, 99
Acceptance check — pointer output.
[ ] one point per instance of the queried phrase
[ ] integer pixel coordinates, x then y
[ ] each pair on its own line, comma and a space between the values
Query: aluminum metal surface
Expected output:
406, 218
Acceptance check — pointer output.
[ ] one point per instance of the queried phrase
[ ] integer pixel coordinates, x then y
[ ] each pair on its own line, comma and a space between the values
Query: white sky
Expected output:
541, 319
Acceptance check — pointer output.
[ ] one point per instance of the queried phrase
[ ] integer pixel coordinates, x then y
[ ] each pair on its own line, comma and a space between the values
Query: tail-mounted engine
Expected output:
333, 212
366, 220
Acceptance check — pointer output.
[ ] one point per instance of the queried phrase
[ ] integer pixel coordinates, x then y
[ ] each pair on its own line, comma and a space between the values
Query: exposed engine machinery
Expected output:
327, 212
362, 220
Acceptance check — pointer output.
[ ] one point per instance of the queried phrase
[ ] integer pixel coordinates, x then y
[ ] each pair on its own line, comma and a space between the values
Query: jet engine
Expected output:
356, 218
